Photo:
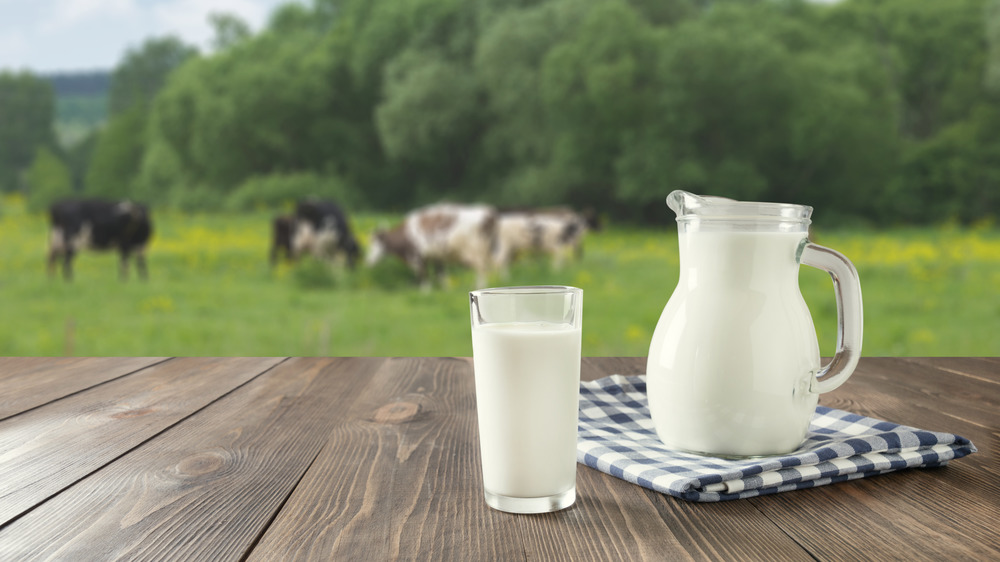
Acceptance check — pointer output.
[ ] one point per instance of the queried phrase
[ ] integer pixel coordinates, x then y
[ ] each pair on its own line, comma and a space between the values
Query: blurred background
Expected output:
884, 115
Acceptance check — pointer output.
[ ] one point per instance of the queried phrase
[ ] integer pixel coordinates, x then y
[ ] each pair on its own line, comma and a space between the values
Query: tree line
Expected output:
870, 110
85, 83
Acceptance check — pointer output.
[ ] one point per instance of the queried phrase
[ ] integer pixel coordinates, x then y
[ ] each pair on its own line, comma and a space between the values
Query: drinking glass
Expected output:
526, 357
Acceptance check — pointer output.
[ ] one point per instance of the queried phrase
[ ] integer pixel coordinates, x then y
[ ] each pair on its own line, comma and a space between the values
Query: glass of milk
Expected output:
526, 356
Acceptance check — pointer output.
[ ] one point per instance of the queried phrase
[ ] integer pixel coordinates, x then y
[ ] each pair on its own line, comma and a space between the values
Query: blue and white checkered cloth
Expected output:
617, 437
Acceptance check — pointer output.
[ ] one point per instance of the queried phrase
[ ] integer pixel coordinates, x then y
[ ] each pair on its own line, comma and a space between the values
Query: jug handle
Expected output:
850, 322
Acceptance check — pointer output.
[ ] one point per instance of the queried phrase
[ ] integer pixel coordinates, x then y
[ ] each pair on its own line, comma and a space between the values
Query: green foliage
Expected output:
755, 107
194, 198
229, 30
606, 58
956, 169
115, 157
79, 155
858, 107
280, 191
27, 108
222, 121
429, 118
78, 116
144, 71
48, 179
117, 154
79, 84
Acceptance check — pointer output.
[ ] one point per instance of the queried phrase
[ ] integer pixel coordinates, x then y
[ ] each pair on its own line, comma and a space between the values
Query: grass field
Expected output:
927, 292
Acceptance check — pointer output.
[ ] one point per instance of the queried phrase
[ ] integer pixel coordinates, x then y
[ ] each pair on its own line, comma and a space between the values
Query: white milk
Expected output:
735, 350
527, 396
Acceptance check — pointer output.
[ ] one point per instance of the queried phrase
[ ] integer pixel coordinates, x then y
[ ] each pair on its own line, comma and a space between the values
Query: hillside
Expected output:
81, 103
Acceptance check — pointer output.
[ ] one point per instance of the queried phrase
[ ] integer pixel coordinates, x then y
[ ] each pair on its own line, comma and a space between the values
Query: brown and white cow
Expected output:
436, 235
554, 231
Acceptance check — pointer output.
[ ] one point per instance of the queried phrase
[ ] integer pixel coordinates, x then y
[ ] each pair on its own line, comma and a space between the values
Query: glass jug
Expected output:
734, 367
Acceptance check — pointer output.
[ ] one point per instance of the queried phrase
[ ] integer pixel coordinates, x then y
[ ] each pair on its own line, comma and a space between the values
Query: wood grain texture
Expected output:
377, 459
632, 523
902, 515
379, 479
408, 485
207, 487
44, 450
907, 514
29, 382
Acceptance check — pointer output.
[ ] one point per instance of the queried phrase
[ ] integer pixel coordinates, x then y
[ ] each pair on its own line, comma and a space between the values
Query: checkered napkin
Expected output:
617, 437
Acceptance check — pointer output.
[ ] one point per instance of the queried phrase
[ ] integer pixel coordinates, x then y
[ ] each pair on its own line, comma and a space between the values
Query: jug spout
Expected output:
682, 203
685, 203
722, 211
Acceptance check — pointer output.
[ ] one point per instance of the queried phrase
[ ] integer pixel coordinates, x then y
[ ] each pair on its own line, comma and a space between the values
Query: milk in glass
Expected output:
527, 393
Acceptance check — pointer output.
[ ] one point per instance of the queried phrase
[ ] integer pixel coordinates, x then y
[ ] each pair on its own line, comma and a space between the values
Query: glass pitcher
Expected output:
734, 367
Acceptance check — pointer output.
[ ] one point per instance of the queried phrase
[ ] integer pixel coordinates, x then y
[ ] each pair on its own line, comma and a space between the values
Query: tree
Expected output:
27, 110
429, 119
753, 103
47, 179
229, 30
255, 109
78, 157
935, 57
143, 72
119, 150
607, 104
952, 176
116, 157
519, 142
597, 90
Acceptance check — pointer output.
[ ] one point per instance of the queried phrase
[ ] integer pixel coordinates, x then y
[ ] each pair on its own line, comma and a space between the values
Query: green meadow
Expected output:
927, 292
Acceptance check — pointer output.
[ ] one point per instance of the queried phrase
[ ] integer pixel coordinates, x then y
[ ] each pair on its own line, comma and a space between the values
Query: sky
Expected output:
46, 36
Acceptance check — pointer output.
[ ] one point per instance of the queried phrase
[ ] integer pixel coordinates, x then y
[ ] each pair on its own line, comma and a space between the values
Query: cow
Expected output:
319, 228
98, 224
433, 236
282, 230
553, 231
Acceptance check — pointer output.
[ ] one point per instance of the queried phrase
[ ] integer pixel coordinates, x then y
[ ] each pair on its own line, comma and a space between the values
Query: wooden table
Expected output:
375, 459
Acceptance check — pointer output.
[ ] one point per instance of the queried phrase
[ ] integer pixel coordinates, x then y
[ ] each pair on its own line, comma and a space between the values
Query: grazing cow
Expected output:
319, 228
98, 224
432, 236
282, 230
555, 231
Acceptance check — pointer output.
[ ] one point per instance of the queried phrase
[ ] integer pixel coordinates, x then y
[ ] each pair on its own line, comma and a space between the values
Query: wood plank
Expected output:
920, 395
379, 475
208, 487
917, 513
594, 368
29, 382
405, 481
979, 368
44, 450
846, 522
907, 509
653, 526
378, 459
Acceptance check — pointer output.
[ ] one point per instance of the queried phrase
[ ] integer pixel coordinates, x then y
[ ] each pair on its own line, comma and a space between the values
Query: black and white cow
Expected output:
319, 228
98, 224
282, 231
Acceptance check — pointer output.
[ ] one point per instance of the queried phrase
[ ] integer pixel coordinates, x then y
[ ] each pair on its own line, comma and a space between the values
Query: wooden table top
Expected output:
376, 458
